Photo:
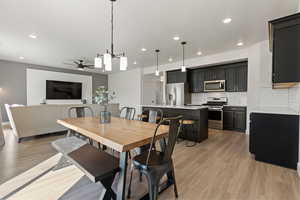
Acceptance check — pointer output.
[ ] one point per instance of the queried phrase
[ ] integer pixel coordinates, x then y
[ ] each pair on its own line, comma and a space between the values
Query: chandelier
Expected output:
106, 58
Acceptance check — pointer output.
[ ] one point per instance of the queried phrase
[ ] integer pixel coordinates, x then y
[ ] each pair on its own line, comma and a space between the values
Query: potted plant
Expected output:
104, 97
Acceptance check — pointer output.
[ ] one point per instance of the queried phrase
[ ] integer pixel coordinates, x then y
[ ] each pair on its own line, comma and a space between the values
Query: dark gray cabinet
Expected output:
234, 118
274, 138
237, 78
212, 74
196, 80
176, 76
286, 49
235, 75
231, 82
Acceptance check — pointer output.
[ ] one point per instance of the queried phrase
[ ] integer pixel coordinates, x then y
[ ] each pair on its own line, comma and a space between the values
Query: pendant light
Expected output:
183, 67
98, 62
110, 55
157, 71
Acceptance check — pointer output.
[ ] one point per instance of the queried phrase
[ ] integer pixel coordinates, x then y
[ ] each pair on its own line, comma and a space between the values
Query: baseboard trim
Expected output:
298, 168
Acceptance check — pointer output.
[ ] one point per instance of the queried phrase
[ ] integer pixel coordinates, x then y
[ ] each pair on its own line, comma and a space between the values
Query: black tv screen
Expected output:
63, 90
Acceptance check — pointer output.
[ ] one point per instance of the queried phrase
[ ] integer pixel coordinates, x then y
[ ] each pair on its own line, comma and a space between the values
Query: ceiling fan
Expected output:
81, 64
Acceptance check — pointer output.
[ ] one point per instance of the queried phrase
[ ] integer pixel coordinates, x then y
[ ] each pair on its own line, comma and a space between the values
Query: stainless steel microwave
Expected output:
214, 86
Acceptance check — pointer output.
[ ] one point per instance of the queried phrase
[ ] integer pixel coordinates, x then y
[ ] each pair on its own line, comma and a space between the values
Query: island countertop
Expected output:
176, 107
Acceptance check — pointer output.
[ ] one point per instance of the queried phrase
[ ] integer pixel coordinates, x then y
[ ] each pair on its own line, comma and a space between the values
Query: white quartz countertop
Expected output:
176, 107
275, 110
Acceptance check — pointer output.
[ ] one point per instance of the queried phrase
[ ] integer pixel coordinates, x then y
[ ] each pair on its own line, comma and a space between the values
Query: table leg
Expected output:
122, 176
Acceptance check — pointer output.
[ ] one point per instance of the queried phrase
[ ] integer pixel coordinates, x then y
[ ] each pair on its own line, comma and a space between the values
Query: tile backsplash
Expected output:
234, 98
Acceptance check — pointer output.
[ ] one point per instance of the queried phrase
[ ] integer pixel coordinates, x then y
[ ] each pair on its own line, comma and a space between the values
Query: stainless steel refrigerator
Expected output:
177, 94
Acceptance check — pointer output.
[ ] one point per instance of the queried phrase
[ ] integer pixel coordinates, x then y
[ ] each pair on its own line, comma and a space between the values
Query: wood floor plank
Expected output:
219, 168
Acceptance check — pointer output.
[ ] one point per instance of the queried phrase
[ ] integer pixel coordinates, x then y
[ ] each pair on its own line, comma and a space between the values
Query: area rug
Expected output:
43, 183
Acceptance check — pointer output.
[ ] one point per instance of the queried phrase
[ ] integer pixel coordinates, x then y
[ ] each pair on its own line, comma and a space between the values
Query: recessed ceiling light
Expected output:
176, 38
143, 49
134, 62
199, 53
227, 20
21, 58
170, 59
32, 36
240, 44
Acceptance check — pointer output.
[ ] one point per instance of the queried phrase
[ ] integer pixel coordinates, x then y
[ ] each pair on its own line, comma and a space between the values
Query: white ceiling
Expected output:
70, 29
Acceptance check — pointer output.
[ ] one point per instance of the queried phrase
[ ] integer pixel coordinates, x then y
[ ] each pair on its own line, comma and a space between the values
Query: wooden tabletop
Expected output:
121, 134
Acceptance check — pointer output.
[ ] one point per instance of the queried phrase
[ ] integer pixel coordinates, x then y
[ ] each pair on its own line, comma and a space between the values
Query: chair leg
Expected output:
153, 187
130, 181
69, 134
174, 182
141, 177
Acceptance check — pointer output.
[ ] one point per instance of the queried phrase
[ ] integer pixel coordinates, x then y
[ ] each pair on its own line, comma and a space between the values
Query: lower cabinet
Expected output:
234, 118
274, 138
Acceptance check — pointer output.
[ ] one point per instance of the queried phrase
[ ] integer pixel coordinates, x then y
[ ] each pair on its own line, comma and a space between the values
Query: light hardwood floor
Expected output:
219, 168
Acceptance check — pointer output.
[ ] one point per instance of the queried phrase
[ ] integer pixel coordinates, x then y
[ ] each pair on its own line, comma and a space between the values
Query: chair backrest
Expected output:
154, 114
174, 130
129, 113
80, 111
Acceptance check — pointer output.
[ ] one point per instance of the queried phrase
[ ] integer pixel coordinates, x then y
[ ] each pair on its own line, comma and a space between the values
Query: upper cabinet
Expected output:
235, 76
176, 76
196, 78
285, 45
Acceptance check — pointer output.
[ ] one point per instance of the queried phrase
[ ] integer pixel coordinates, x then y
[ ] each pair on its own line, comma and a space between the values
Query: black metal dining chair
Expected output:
73, 140
129, 113
155, 164
80, 111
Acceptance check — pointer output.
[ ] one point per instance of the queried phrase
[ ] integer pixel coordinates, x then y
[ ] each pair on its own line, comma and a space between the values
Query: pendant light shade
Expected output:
157, 71
106, 58
123, 63
183, 67
107, 62
98, 62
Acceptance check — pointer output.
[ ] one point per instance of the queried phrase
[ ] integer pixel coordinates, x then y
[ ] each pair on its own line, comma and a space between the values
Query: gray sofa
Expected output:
41, 119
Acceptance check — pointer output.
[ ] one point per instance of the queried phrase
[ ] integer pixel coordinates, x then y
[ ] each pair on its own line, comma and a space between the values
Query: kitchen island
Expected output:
196, 132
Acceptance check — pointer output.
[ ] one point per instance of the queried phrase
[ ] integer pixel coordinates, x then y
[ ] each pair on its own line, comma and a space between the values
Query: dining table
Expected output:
120, 135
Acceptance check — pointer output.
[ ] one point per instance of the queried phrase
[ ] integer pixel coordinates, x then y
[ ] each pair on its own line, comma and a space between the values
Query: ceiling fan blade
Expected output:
77, 63
72, 64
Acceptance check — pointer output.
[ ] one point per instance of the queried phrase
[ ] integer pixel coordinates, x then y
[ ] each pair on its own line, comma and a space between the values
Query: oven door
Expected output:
214, 86
215, 115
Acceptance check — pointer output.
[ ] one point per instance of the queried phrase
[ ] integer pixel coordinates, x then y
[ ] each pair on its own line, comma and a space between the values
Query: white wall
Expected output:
228, 56
36, 85
128, 87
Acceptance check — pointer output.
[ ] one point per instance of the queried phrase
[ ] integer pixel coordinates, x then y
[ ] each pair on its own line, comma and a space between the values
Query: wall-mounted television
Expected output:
63, 90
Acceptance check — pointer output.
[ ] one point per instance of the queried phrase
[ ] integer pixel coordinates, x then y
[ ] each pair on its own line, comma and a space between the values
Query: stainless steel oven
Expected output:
215, 111
214, 86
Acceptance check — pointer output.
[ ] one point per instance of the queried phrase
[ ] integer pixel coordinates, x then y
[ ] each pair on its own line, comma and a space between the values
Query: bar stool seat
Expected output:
142, 116
185, 123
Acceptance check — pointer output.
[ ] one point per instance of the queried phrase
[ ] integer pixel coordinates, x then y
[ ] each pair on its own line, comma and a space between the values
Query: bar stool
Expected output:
184, 124
141, 117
